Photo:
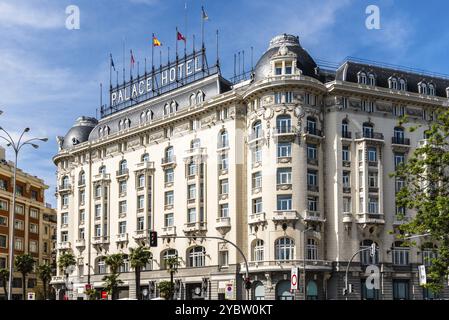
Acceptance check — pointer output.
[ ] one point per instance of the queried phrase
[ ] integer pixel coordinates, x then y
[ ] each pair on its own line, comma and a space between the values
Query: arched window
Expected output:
173, 107
312, 249
284, 249
195, 143
223, 141
312, 290
365, 256
169, 154
100, 132
166, 255
197, 256
120, 125
258, 291
65, 182
431, 91
166, 109
199, 97
372, 79
145, 157
368, 130
258, 250
422, 87
402, 84
142, 117
283, 124
283, 291
257, 129
393, 83
400, 254
149, 265
311, 125
447, 92
345, 129
82, 178
192, 99
123, 166
127, 123
102, 170
150, 115
361, 77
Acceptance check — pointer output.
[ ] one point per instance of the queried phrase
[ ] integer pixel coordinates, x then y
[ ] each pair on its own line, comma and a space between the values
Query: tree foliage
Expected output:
426, 194
139, 258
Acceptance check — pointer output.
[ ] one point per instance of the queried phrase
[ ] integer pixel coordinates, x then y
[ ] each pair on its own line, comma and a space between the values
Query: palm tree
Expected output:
172, 264
139, 257
44, 272
24, 264
114, 262
4, 277
66, 260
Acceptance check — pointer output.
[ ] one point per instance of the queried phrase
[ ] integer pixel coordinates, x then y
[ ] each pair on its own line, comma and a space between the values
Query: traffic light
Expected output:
153, 239
247, 283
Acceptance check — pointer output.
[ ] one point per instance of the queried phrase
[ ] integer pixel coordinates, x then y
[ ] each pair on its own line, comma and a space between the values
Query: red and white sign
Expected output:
104, 295
294, 279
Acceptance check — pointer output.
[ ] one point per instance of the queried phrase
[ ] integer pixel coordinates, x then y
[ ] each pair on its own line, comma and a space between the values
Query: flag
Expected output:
205, 16
181, 37
156, 42
132, 59
112, 62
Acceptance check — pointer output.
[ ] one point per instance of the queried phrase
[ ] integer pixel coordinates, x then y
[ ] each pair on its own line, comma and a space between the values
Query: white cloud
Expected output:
21, 14
147, 2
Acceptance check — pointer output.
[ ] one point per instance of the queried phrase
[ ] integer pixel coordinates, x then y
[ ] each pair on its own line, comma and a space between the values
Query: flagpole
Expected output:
131, 65
187, 33
110, 70
123, 60
176, 44
218, 56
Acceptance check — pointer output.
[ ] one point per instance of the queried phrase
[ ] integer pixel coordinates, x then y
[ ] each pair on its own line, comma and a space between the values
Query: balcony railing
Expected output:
310, 215
285, 215
223, 224
80, 243
102, 176
370, 218
282, 264
169, 231
168, 160
100, 240
140, 234
255, 135
369, 135
312, 188
196, 151
256, 218
64, 187
146, 165
346, 189
195, 227
81, 182
313, 131
122, 237
346, 134
285, 130
400, 141
64, 245
122, 172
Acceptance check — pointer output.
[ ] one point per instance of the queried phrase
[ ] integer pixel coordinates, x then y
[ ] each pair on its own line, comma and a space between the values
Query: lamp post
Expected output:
16, 145
304, 258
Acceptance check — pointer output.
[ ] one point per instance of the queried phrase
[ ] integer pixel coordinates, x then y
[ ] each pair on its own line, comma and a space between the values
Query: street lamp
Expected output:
304, 258
16, 146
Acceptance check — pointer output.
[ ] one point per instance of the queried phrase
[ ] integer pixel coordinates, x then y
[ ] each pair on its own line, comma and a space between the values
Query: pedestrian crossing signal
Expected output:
153, 239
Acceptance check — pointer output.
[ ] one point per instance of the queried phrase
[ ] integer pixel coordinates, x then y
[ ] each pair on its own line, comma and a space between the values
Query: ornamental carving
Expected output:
134, 142
156, 136
112, 149
268, 114
414, 112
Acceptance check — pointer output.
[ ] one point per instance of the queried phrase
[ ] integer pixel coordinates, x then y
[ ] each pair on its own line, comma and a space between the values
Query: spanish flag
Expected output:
156, 42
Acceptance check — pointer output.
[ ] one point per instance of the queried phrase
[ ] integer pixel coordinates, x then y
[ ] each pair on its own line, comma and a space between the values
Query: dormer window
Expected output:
372, 79
199, 97
278, 69
402, 84
288, 68
431, 89
393, 83
447, 92
422, 88
361, 77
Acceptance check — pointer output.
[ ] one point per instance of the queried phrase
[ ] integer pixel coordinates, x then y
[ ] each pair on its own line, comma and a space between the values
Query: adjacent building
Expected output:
35, 224
291, 165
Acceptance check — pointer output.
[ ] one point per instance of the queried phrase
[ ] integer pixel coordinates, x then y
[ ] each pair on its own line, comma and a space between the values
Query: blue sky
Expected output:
50, 75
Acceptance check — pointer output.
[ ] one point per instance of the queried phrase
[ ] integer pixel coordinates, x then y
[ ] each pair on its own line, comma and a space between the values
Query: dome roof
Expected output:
79, 133
291, 42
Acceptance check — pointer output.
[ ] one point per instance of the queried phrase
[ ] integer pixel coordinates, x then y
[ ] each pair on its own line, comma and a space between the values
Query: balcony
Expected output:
169, 231
283, 265
400, 220
81, 183
146, 165
283, 186
255, 136
346, 163
313, 216
122, 237
373, 189
285, 132
312, 161
375, 136
370, 218
285, 215
141, 235
167, 161
257, 218
124, 173
67, 187
313, 134
346, 189
102, 177
346, 135
313, 188
347, 217
100, 240
196, 152
223, 225
80, 243
194, 227
64, 245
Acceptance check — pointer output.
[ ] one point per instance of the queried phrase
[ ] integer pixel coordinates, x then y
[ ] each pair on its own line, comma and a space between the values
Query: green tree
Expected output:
426, 193
24, 264
4, 277
44, 273
139, 258
165, 289
66, 260
172, 264
112, 282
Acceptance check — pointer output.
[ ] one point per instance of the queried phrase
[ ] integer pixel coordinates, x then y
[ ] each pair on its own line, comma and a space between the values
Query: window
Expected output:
4, 205
82, 197
122, 186
372, 154
65, 182
362, 77
125, 266
101, 266
3, 241
122, 227
191, 168
224, 186
168, 220
401, 289
309, 99
283, 124
312, 178
3, 221
368, 131
34, 213
21, 209
257, 206
169, 176
197, 257
400, 254
98, 191
191, 215
312, 249
345, 129
223, 139
223, 258
140, 202
402, 85
431, 90
169, 198
393, 83
223, 161
3, 184
224, 210
311, 125
123, 167
257, 180
284, 149
346, 179
347, 205
18, 244
365, 256
98, 211
346, 154
140, 223
81, 234
191, 191
312, 203
399, 111
257, 130
372, 79
167, 255
19, 224
97, 230
257, 154
122, 207
258, 250
33, 246
312, 152
34, 228
399, 158
278, 69
284, 249
288, 68
284, 176
284, 202
169, 154
278, 97
145, 157
373, 206
288, 97
372, 179
34, 195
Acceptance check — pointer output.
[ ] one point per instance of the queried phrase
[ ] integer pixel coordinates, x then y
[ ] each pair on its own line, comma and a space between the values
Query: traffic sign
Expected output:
294, 279
88, 287
229, 291
31, 296
104, 295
